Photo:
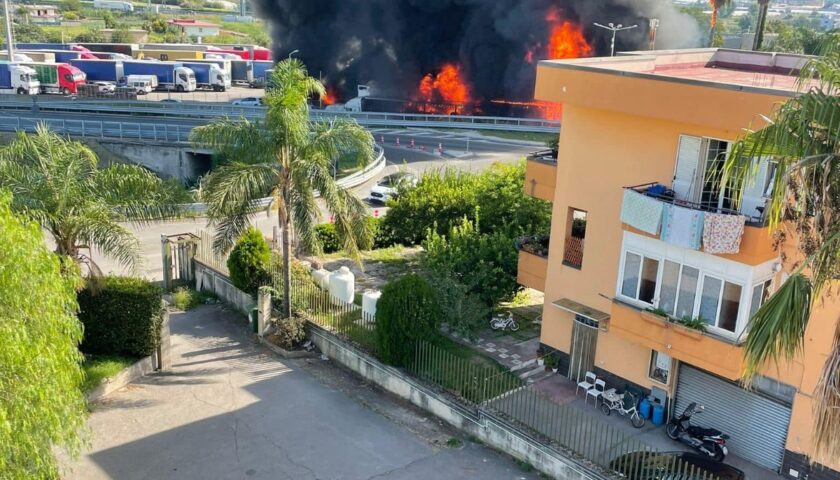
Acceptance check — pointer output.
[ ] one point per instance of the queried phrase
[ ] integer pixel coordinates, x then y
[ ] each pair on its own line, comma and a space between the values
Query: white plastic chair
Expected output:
588, 382
596, 391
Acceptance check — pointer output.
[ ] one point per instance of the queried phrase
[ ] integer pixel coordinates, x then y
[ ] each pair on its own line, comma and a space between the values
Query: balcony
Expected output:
711, 353
533, 262
756, 243
541, 175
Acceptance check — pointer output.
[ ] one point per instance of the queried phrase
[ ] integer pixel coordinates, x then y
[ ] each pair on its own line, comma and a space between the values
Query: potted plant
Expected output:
552, 362
691, 327
655, 315
540, 358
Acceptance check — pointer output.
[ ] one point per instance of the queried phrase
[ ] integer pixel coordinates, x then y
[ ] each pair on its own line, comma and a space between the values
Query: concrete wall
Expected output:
206, 278
487, 428
167, 161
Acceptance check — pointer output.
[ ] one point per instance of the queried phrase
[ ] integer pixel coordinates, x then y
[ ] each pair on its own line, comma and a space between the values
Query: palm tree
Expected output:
289, 158
803, 136
716, 6
763, 6
57, 183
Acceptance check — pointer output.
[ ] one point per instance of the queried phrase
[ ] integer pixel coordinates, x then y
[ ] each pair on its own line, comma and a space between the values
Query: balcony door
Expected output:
584, 341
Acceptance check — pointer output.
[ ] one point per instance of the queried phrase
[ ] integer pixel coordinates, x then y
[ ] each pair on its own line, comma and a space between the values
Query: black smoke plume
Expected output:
392, 44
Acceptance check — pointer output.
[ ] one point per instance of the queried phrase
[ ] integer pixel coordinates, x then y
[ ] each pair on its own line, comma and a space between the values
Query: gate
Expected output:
584, 341
177, 253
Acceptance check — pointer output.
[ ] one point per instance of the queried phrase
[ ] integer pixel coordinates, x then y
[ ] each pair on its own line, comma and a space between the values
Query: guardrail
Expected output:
165, 133
213, 110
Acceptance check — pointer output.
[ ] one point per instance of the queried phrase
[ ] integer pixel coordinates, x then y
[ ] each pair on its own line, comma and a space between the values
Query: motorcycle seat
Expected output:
705, 432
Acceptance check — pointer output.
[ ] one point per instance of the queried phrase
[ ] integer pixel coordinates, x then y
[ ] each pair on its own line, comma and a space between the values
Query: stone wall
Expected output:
211, 280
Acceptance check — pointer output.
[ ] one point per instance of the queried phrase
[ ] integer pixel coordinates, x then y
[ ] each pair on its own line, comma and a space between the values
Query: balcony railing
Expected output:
573, 252
545, 156
667, 195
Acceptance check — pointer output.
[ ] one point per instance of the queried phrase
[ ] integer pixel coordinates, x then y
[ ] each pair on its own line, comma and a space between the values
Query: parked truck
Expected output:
45, 57
123, 48
171, 75
100, 70
224, 64
241, 71
168, 54
20, 79
61, 78
52, 47
61, 56
261, 67
209, 75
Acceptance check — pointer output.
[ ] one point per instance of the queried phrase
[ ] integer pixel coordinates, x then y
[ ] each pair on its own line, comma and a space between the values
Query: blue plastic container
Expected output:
644, 408
658, 415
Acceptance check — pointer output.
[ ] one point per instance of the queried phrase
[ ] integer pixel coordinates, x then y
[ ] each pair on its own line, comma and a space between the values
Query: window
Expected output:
575, 235
760, 294
719, 303
660, 367
640, 277
182, 77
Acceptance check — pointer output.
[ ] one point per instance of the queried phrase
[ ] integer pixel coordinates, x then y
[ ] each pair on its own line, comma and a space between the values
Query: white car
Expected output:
104, 87
389, 186
248, 102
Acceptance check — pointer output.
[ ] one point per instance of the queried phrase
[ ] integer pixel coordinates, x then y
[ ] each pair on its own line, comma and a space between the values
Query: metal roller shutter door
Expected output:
757, 425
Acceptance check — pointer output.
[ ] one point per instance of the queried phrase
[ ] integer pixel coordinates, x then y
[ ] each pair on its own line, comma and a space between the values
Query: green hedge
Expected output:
330, 243
249, 261
121, 316
407, 312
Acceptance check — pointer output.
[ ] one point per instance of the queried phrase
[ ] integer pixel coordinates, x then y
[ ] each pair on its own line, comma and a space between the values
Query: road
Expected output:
483, 152
230, 409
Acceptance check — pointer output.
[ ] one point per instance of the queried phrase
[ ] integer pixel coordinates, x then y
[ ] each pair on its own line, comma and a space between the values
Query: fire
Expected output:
445, 92
329, 97
566, 39
546, 110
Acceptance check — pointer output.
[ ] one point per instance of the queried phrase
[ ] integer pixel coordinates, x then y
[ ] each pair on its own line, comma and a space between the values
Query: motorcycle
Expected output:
709, 441
502, 322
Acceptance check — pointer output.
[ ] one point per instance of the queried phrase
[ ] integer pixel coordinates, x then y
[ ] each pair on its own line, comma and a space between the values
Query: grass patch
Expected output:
454, 443
99, 367
529, 136
186, 298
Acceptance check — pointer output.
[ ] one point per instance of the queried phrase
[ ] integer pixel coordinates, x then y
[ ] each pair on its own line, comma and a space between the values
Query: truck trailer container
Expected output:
209, 75
45, 57
167, 54
61, 56
124, 48
260, 68
171, 75
224, 64
241, 71
53, 47
100, 70
61, 78
19, 79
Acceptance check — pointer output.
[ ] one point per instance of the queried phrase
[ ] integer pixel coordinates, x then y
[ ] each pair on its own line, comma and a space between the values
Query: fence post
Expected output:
163, 353
167, 263
263, 309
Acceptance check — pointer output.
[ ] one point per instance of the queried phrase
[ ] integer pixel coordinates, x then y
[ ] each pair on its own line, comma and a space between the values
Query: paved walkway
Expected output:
230, 410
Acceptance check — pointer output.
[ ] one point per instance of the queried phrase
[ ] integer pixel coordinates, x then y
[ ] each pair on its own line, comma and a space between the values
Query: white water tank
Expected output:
342, 285
325, 281
318, 276
369, 300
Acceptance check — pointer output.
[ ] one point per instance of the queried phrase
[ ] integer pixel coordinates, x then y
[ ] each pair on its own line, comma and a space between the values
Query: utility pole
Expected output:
614, 29
10, 45
654, 25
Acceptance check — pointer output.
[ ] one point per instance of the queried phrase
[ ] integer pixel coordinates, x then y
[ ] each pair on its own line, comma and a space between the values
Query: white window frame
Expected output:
716, 320
639, 284
770, 290
652, 363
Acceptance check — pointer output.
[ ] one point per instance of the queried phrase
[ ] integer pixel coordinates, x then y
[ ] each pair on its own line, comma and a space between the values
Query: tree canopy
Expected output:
41, 404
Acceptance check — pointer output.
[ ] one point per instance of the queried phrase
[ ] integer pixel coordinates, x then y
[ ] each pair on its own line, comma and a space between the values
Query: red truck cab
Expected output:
69, 78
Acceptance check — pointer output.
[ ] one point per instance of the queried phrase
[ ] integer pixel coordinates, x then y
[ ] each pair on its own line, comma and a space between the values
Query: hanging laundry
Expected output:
641, 212
722, 233
682, 227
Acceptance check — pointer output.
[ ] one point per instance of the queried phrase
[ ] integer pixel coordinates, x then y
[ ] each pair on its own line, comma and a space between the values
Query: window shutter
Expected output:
754, 188
685, 183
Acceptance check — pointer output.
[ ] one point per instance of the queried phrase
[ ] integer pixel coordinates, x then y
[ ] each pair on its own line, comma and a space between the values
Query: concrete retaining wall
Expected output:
207, 278
484, 426
142, 367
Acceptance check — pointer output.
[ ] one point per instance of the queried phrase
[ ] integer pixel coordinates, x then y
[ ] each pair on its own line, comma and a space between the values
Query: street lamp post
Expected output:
293, 52
614, 29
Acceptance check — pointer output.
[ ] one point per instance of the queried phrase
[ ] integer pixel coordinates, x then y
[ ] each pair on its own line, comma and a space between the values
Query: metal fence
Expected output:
208, 110
156, 132
493, 390
208, 255
177, 252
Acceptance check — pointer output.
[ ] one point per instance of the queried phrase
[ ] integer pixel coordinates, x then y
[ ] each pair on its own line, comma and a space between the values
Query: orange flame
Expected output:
329, 97
451, 86
427, 88
567, 41
546, 110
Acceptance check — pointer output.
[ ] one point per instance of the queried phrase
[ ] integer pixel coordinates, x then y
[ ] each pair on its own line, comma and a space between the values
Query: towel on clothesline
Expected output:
722, 233
641, 212
682, 227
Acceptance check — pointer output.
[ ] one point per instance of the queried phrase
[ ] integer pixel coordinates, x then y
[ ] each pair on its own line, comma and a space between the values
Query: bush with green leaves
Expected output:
331, 243
486, 264
443, 198
463, 310
121, 315
300, 276
249, 261
328, 236
41, 404
408, 311
289, 333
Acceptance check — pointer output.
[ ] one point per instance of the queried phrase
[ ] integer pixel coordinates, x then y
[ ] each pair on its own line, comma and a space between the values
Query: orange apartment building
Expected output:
643, 135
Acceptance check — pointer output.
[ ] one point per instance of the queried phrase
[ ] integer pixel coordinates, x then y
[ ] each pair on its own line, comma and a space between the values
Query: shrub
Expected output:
300, 276
328, 237
407, 312
288, 333
485, 263
464, 311
249, 261
121, 316
187, 299
443, 198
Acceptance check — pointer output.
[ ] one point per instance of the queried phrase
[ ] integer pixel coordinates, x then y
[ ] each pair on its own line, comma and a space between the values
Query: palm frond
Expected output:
349, 213
825, 446
777, 329
95, 226
135, 194
237, 140
339, 137
231, 194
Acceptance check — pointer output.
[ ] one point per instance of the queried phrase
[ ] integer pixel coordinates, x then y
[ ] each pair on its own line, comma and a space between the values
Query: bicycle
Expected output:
502, 322
624, 405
